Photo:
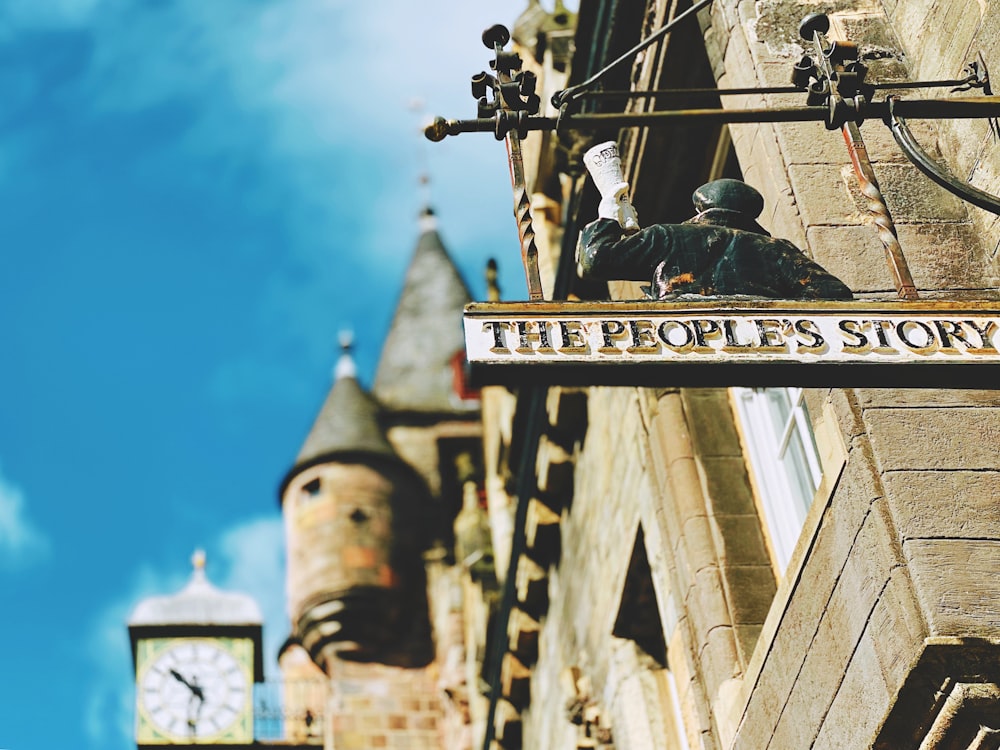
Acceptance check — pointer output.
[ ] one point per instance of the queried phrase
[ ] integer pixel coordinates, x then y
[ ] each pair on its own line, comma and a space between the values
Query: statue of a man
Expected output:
721, 251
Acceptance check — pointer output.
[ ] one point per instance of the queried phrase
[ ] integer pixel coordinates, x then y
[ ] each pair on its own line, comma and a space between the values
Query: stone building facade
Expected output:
675, 573
669, 568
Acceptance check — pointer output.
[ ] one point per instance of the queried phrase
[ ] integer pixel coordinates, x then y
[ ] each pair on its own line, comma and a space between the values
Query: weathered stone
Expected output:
746, 640
739, 541
699, 545
670, 428
898, 629
957, 585
812, 143
899, 397
719, 660
685, 483
911, 196
706, 605
713, 430
944, 256
823, 195
751, 589
859, 705
760, 717
943, 35
934, 438
853, 254
727, 485
949, 504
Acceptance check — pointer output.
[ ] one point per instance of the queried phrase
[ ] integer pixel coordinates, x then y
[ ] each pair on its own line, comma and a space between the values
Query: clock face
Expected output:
194, 690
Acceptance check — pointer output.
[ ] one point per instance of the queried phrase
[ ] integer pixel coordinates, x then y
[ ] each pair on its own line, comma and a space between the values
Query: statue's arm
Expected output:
605, 253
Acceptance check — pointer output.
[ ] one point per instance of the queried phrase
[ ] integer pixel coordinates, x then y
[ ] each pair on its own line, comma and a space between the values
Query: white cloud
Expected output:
253, 562
316, 92
247, 557
108, 710
22, 543
311, 99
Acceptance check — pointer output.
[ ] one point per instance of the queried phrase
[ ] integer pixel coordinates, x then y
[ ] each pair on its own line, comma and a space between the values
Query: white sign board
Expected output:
723, 342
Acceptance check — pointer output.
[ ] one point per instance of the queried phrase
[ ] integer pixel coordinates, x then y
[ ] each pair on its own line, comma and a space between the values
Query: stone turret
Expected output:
356, 527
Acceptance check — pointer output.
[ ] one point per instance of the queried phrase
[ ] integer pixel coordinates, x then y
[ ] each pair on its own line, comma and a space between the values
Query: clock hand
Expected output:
195, 688
180, 678
194, 709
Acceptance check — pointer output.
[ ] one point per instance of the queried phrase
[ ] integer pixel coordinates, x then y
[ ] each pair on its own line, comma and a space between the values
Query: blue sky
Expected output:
195, 197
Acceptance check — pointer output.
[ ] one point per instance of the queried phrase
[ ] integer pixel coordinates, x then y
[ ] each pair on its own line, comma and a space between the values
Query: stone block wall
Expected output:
671, 463
888, 606
803, 170
377, 706
876, 585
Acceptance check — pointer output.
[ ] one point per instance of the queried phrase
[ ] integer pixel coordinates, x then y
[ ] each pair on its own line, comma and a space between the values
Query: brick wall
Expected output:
375, 706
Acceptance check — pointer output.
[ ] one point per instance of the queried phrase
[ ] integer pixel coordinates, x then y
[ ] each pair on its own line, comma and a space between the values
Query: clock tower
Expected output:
197, 655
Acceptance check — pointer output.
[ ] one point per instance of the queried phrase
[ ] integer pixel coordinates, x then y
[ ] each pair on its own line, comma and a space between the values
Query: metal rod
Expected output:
522, 201
757, 90
522, 215
898, 267
972, 107
923, 162
573, 92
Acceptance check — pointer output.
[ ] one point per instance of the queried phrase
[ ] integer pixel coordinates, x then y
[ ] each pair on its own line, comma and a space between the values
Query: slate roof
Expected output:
347, 422
415, 372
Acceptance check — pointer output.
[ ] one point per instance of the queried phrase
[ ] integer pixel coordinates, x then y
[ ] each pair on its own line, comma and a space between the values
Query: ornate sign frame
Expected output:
727, 342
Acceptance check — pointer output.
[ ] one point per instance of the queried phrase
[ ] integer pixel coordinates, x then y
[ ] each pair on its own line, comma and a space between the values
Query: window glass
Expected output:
784, 462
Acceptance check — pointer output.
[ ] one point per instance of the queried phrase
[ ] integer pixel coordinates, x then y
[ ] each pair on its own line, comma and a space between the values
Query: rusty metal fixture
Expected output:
503, 122
916, 154
513, 97
963, 109
837, 94
977, 78
834, 100
901, 277
837, 79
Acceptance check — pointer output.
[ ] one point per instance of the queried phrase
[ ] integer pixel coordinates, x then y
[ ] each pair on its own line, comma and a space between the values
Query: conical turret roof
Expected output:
348, 422
417, 369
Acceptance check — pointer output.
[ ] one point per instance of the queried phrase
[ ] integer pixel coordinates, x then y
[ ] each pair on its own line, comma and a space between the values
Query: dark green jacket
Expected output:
704, 256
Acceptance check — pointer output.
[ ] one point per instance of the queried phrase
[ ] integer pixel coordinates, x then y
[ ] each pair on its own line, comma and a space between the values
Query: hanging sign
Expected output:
736, 342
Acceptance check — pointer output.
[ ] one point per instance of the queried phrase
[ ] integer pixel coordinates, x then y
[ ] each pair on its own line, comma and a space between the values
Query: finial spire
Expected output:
428, 221
423, 176
345, 365
198, 565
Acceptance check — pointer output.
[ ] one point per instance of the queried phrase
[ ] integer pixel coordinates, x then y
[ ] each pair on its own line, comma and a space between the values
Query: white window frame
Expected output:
784, 501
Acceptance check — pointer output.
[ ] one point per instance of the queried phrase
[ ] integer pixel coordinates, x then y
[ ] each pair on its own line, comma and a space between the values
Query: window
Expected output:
783, 459
646, 704
311, 490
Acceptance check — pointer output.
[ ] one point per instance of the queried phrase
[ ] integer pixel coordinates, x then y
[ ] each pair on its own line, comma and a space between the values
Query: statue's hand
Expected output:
605, 167
618, 208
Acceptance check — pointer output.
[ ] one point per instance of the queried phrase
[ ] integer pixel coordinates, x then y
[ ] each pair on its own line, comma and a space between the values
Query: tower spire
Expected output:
416, 372
346, 367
